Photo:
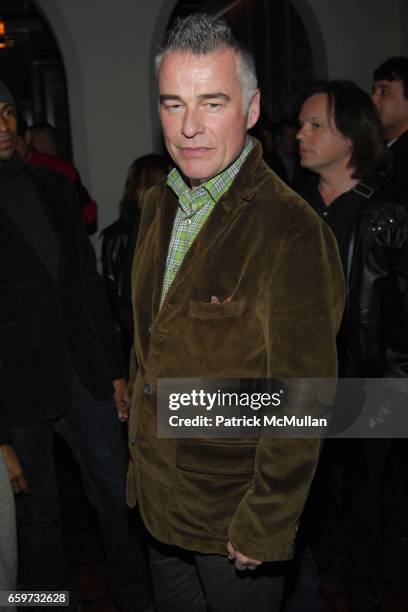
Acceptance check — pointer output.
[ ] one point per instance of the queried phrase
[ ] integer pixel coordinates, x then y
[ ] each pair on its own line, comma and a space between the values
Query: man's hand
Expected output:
14, 469
241, 562
121, 397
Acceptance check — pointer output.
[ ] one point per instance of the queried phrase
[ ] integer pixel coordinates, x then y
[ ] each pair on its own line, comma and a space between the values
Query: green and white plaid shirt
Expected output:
195, 206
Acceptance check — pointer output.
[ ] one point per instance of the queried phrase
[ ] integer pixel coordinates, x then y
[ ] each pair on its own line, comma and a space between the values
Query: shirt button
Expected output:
149, 330
147, 389
132, 442
188, 221
325, 213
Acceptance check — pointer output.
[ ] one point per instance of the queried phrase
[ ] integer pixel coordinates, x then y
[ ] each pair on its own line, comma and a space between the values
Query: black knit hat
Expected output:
5, 94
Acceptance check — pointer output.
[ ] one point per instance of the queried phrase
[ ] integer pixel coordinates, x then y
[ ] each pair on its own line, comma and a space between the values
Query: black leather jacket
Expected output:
377, 288
118, 242
373, 340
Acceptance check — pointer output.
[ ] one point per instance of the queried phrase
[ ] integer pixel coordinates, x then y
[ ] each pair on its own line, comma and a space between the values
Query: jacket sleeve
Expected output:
110, 264
387, 398
96, 301
397, 317
149, 208
301, 318
100, 312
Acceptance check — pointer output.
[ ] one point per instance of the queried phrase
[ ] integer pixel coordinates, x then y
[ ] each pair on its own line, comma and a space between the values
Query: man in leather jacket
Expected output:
341, 142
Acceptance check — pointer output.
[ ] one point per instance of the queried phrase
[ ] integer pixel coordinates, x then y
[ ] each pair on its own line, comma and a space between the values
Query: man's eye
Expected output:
10, 112
315, 125
173, 108
212, 106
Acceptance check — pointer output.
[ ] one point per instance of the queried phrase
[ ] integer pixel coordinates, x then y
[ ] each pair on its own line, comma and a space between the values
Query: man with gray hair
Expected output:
222, 276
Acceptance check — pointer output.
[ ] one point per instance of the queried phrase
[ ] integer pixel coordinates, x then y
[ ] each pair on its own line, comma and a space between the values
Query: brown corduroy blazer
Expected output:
266, 250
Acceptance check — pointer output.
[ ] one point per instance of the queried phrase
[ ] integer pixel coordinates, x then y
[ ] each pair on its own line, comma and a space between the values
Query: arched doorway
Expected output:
32, 66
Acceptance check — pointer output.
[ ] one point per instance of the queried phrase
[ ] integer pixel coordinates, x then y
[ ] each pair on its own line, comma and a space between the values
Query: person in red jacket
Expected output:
42, 150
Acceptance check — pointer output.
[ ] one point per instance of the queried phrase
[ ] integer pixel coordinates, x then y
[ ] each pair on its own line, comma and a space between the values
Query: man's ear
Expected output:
254, 109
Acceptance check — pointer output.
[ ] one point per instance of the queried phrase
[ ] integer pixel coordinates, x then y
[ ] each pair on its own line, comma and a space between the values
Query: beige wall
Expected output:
108, 48
359, 35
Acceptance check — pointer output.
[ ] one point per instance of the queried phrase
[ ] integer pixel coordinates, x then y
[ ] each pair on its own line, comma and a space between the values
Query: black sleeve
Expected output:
116, 267
95, 294
97, 303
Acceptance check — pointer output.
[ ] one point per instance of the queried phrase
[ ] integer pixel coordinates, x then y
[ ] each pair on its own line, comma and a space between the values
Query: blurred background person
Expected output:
284, 160
119, 240
390, 96
41, 149
341, 143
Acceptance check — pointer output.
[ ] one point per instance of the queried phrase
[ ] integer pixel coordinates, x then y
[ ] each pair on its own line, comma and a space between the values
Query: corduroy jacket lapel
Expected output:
225, 211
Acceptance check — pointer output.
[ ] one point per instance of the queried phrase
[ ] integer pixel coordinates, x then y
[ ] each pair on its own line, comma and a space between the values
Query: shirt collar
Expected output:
192, 200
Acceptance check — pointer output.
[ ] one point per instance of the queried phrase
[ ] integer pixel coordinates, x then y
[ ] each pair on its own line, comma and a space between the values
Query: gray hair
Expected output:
201, 34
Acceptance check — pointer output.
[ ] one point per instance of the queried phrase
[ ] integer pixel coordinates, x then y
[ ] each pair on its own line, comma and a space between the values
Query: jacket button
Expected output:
149, 330
132, 442
147, 389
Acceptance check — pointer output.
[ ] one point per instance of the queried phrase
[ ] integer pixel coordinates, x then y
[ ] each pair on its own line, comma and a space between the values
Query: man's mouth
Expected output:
194, 151
6, 141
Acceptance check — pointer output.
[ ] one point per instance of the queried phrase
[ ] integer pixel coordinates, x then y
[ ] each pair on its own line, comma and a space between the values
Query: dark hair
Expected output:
394, 69
201, 34
281, 127
356, 118
143, 173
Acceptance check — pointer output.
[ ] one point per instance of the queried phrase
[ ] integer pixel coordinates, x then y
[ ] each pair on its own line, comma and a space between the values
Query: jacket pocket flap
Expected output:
222, 459
206, 310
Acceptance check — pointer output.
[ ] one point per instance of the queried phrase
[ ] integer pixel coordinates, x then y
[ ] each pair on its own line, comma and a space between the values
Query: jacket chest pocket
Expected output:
209, 311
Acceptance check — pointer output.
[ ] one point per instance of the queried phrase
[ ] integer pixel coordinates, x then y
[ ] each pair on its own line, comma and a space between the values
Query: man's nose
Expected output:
192, 124
301, 133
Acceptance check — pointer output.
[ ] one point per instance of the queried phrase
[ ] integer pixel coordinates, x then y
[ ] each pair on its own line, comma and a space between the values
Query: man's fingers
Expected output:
22, 483
241, 562
123, 416
18, 484
246, 566
231, 552
15, 486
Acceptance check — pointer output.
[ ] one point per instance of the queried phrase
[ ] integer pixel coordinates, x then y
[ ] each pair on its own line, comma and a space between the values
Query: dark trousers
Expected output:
363, 499
302, 586
184, 581
92, 431
347, 494
346, 504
